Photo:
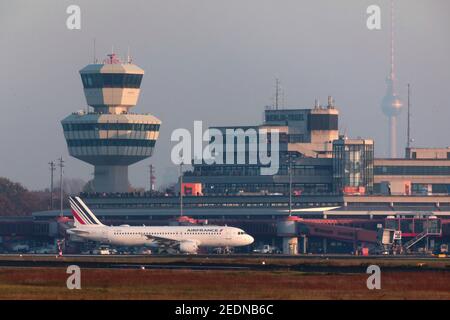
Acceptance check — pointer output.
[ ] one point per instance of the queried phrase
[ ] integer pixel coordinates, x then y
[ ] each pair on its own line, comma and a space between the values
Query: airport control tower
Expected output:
108, 136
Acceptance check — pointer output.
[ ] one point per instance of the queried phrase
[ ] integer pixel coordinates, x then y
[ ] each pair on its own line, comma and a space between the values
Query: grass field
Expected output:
50, 283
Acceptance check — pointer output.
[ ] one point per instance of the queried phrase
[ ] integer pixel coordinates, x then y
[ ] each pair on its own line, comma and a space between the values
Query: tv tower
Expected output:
391, 103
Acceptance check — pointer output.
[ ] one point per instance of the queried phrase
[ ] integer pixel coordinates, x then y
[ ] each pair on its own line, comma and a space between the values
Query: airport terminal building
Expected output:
322, 162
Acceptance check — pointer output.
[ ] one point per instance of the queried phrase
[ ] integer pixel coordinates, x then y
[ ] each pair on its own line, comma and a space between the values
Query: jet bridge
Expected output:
291, 228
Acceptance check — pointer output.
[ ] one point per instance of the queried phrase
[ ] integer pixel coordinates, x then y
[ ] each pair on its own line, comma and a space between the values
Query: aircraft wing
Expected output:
163, 242
76, 231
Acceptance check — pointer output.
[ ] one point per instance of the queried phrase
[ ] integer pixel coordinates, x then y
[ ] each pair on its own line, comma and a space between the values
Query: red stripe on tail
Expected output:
75, 214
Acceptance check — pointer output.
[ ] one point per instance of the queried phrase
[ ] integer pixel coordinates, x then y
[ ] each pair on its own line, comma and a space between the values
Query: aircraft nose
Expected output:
250, 239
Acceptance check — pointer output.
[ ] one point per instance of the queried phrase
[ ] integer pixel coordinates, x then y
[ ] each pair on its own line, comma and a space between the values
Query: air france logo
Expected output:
205, 230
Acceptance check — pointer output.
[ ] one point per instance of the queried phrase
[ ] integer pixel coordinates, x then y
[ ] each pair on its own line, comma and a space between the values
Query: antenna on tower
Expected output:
95, 53
408, 133
316, 104
392, 42
277, 93
330, 102
128, 55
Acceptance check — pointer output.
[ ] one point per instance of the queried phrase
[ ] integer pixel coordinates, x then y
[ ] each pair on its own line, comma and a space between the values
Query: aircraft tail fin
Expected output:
82, 214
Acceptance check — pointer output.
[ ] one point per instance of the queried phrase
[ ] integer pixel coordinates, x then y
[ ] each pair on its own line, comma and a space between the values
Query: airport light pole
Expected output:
290, 160
52, 170
152, 178
290, 186
181, 188
61, 191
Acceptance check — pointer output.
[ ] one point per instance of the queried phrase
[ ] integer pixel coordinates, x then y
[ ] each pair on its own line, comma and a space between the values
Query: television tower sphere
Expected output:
391, 103
109, 137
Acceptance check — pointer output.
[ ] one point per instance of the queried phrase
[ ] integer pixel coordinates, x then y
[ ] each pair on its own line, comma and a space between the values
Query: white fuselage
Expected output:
202, 236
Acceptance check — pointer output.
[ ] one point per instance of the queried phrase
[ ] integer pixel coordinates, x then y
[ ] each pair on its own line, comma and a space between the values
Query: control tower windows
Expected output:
111, 143
111, 126
111, 80
132, 80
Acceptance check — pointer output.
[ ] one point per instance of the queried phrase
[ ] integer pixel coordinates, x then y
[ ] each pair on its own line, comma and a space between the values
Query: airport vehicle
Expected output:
222, 250
21, 248
44, 250
145, 251
103, 250
266, 249
442, 251
186, 239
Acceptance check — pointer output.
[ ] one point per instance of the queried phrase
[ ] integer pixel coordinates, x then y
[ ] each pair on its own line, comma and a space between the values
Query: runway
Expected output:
303, 263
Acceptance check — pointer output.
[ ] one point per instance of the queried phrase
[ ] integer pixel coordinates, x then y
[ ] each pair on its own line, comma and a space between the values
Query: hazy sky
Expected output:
216, 61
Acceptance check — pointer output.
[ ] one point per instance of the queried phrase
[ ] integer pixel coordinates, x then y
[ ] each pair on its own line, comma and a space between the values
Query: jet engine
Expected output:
188, 247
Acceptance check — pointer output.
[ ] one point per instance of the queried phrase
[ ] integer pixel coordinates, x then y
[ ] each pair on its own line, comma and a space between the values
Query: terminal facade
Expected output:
319, 161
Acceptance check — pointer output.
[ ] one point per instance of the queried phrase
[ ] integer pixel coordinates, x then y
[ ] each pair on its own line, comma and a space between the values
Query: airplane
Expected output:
186, 239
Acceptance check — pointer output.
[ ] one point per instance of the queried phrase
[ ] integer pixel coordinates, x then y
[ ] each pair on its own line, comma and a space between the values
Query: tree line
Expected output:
16, 200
